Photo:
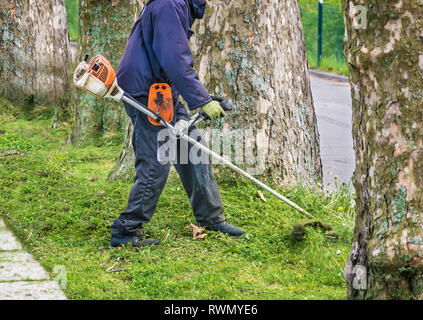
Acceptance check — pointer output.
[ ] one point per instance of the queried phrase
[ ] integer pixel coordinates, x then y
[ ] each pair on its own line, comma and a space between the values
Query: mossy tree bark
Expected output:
104, 28
386, 67
35, 54
254, 53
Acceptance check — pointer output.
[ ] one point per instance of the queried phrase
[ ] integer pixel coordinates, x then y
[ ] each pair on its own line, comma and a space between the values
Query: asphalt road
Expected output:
332, 102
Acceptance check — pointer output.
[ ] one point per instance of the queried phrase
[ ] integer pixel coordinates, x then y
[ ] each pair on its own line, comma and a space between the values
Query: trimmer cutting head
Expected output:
98, 77
298, 231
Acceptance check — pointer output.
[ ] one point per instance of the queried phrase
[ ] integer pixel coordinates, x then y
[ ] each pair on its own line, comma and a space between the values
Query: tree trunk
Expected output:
104, 28
385, 60
35, 55
254, 53
124, 167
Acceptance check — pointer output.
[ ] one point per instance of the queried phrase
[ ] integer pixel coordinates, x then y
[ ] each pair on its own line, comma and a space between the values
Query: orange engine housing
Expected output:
160, 101
101, 68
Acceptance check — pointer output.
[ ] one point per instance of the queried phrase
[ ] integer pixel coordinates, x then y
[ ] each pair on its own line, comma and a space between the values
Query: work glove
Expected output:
181, 127
213, 110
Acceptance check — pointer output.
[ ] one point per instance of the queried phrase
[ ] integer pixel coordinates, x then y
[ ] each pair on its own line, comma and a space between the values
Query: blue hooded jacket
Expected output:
158, 51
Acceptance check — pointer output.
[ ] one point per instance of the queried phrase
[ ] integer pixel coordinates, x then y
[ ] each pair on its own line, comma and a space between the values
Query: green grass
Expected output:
330, 64
61, 216
72, 11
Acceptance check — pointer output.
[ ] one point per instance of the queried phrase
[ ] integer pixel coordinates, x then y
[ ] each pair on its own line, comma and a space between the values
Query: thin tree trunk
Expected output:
386, 63
35, 54
254, 53
104, 28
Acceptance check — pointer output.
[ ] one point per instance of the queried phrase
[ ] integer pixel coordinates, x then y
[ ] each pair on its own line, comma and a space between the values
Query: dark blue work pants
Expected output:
151, 175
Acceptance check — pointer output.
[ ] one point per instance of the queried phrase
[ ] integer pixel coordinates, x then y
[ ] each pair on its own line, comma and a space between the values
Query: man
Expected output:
158, 52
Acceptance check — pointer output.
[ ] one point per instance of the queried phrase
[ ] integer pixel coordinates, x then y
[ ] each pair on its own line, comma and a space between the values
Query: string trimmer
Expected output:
98, 77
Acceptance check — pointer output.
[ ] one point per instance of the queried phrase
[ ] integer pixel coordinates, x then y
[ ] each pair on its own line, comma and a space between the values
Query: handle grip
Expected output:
225, 104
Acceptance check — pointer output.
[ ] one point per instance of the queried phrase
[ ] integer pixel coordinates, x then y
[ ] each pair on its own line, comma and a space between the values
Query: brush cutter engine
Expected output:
98, 78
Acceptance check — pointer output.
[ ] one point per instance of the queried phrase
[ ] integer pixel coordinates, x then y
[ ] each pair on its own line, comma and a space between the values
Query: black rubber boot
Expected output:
225, 227
119, 238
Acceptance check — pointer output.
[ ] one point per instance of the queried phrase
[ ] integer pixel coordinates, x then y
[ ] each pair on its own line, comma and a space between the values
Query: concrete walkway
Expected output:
21, 277
333, 105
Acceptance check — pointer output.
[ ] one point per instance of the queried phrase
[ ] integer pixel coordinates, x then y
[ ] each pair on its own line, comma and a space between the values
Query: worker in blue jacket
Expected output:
158, 52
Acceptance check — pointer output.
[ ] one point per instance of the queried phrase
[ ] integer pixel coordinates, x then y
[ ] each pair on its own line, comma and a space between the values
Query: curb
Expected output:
21, 276
329, 76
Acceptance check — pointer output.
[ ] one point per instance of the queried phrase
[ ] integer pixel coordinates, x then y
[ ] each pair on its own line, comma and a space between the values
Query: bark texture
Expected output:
124, 167
35, 54
104, 28
253, 52
386, 64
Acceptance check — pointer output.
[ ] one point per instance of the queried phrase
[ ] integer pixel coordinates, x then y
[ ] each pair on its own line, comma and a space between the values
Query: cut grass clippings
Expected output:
61, 214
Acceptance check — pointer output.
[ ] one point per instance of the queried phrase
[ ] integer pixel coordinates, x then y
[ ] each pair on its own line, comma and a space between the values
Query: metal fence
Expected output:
327, 18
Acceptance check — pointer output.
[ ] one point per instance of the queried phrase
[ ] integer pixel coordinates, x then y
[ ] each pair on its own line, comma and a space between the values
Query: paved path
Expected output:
21, 277
332, 101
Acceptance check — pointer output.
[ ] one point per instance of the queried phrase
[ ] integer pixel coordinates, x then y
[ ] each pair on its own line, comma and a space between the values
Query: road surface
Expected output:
332, 102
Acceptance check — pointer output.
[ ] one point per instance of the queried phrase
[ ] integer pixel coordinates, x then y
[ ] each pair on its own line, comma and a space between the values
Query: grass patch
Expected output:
72, 12
333, 35
328, 64
56, 199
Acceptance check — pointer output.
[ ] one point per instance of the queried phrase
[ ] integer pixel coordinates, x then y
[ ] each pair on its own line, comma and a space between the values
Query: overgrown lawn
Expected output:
56, 199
